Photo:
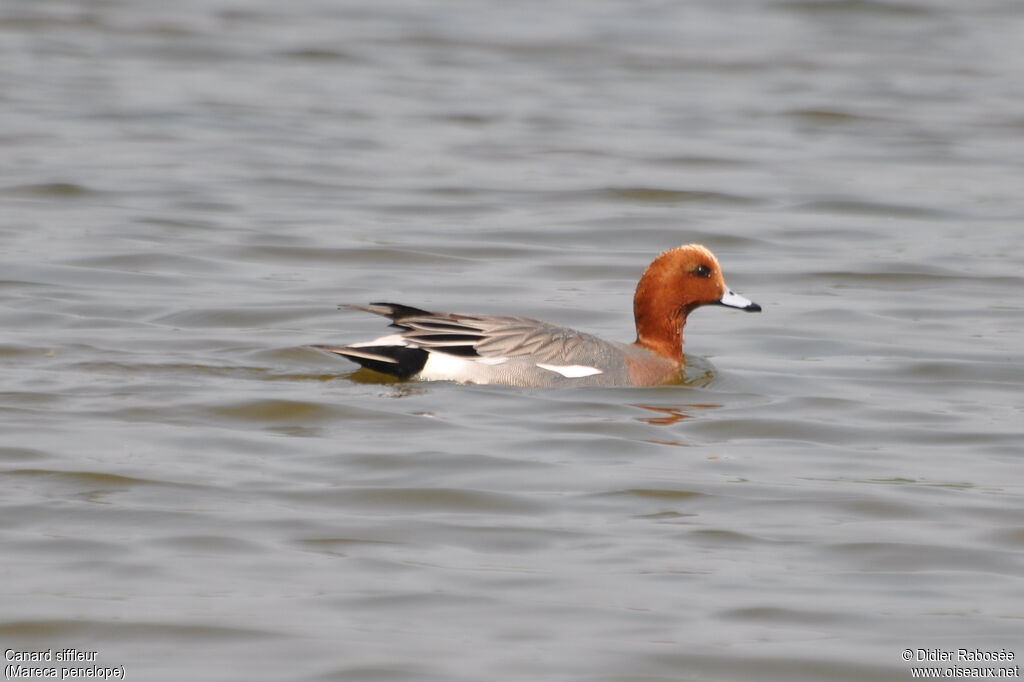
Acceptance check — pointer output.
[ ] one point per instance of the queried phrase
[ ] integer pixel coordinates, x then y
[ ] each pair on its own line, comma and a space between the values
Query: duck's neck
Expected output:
659, 325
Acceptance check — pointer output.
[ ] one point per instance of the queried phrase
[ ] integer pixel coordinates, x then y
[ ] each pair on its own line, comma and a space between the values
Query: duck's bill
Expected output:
734, 300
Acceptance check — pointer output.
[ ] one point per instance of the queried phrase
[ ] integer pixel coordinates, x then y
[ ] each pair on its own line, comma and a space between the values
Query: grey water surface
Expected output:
189, 189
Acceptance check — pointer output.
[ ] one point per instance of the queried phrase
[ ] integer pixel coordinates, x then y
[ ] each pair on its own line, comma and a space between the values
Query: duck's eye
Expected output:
702, 271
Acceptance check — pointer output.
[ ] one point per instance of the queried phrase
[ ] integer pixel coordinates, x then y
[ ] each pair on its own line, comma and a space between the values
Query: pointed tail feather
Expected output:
399, 361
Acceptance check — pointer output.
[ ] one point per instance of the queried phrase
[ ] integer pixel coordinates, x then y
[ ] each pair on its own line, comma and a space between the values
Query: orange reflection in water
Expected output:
671, 414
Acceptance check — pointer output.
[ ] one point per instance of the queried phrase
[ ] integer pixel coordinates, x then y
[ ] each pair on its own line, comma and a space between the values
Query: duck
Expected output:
521, 351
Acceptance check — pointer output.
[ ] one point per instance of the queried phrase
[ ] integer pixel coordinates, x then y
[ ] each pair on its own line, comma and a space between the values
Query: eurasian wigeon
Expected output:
519, 351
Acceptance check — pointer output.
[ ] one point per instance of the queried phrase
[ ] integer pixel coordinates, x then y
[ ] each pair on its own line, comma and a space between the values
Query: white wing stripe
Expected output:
571, 371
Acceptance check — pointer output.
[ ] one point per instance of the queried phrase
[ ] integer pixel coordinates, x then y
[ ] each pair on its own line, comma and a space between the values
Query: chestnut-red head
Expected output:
676, 282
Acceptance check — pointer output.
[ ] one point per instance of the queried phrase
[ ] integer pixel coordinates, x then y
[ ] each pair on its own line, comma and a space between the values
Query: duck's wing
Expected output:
488, 336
